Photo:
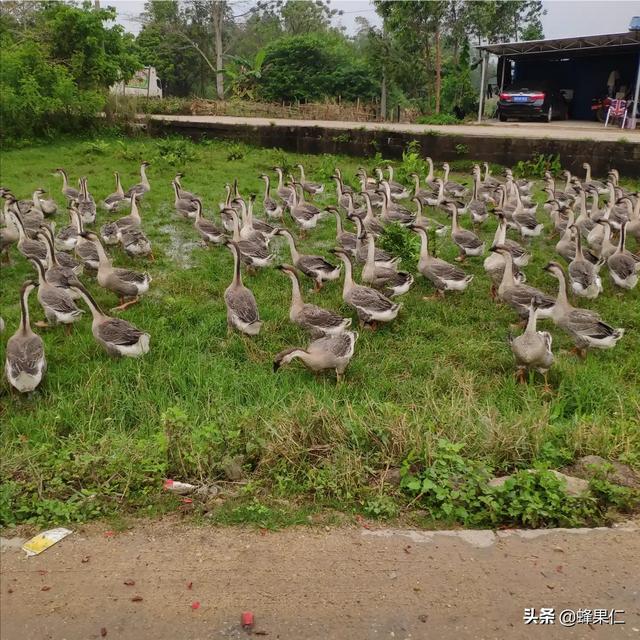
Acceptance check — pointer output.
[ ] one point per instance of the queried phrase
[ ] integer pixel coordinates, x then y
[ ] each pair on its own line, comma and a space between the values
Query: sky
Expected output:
564, 18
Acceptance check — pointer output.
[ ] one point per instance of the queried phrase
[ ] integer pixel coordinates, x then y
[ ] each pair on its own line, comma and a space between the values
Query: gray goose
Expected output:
25, 361
242, 309
115, 199
86, 205
468, 242
143, 186
183, 193
47, 207
56, 274
68, 192
27, 247
185, 207
583, 276
623, 266
209, 231
388, 280
271, 206
312, 188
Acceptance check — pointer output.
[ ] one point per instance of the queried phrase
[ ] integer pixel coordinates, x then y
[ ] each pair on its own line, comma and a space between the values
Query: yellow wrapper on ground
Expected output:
44, 540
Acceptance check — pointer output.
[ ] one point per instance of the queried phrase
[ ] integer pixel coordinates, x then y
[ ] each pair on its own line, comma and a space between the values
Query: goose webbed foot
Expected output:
42, 324
125, 305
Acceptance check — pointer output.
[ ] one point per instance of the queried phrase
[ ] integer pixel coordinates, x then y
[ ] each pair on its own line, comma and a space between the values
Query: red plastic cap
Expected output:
247, 619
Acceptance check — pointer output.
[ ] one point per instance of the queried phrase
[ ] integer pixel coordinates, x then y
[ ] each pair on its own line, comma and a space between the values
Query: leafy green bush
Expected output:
412, 162
537, 166
439, 118
401, 242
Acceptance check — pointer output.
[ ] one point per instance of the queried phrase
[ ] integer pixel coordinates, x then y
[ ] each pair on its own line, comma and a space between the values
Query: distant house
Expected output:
144, 83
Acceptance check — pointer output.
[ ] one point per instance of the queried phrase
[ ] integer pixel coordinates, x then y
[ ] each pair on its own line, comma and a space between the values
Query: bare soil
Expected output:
167, 580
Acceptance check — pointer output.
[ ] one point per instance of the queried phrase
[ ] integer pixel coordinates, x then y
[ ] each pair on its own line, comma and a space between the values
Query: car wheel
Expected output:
502, 117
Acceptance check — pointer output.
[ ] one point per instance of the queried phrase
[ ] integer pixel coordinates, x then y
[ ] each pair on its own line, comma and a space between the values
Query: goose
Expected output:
518, 296
572, 185
370, 223
494, 263
57, 303
185, 195
143, 186
312, 188
583, 276
329, 352
392, 212
585, 326
452, 188
272, 207
242, 309
314, 267
345, 239
561, 216
68, 192
304, 214
254, 254
86, 205
523, 185
564, 199
371, 305
430, 180
26, 246
110, 233
583, 221
443, 276
467, 241
45, 207
185, 207
428, 223
525, 221
440, 201
620, 210
209, 231
489, 180
370, 186
115, 199
382, 258
64, 259
391, 282
623, 268
418, 192
607, 248
633, 224
600, 187
566, 247
252, 226
437, 198
56, 274
67, 237
283, 192
133, 219
25, 362
532, 349
352, 210
9, 233
345, 187
135, 243
397, 191
316, 320
128, 285
342, 197
85, 250
514, 194
477, 207
117, 336
595, 237
31, 220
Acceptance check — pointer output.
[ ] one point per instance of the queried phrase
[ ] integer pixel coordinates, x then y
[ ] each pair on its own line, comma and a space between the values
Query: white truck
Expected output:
144, 83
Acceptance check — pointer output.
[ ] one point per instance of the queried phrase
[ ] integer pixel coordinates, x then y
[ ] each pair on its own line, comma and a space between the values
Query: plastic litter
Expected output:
181, 488
247, 620
44, 540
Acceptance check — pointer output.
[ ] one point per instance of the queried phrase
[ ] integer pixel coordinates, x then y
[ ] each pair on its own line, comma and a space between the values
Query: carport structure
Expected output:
583, 66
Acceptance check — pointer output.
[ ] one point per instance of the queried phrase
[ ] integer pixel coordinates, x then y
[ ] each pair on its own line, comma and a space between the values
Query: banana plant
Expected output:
245, 75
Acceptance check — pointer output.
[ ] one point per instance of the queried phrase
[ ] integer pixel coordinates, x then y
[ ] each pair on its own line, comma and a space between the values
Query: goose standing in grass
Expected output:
57, 303
209, 231
254, 254
304, 214
314, 267
585, 326
430, 179
316, 320
133, 219
623, 267
467, 241
633, 223
85, 204
143, 186
370, 223
26, 246
396, 190
127, 284
388, 280
9, 232
452, 188
115, 199
525, 221
599, 186
84, 249
494, 262
418, 192
242, 309
422, 221
370, 305
345, 239
271, 206
284, 192
517, 295
254, 227
184, 207
135, 243
583, 276
56, 274
392, 212
312, 188
532, 349
68, 192
47, 207
477, 207
344, 187
183, 193
329, 352
342, 197
117, 336
443, 276
381, 257
25, 361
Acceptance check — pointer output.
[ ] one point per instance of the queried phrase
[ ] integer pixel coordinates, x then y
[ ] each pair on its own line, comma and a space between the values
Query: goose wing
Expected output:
242, 303
340, 345
623, 265
445, 271
130, 277
521, 296
58, 300
320, 317
467, 239
313, 264
582, 272
119, 332
370, 299
588, 323
24, 354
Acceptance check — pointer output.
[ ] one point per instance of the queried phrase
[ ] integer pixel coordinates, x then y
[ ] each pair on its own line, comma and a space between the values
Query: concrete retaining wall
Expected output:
624, 156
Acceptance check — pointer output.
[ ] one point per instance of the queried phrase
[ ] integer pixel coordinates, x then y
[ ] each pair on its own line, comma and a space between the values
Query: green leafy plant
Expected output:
462, 149
175, 151
537, 166
412, 162
401, 242
440, 118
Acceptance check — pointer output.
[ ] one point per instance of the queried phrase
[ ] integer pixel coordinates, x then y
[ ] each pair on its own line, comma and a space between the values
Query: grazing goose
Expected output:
115, 199
518, 296
56, 274
283, 192
585, 326
314, 267
588, 183
45, 207
532, 349
26, 246
371, 305
304, 214
57, 303
209, 231
128, 285
25, 363
143, 186
312, 188
396, 191
583, 276
623, 267
86, 205
345, 239
272, 207
135, 243
451, 188
316, 320
68, 192
388, 280
254, 254
443, 276
117, 336
242, 309
329, 352
392, 212
467, 241
185, 195
185, 207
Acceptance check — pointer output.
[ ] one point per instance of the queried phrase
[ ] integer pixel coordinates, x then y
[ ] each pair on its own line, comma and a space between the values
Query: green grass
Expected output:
100, 434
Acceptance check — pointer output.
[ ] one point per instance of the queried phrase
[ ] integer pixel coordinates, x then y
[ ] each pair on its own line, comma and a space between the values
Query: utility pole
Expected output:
383, 87
217, 16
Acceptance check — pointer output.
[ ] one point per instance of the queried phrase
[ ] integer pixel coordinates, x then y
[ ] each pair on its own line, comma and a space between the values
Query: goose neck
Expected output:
25, 324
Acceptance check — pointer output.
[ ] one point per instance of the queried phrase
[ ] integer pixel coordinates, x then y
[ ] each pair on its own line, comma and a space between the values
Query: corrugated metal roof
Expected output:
628, 40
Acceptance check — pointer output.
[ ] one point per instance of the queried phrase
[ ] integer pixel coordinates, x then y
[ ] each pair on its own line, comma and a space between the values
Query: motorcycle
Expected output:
599, 107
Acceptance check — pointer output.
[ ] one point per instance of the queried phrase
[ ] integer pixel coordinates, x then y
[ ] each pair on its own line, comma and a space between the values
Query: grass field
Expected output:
435, 387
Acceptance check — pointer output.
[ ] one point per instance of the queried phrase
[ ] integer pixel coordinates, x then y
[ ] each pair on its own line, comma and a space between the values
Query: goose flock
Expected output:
592, 220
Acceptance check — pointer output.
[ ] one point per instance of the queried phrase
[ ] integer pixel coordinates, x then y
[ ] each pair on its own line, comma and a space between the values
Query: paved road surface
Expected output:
305, 584
536, 130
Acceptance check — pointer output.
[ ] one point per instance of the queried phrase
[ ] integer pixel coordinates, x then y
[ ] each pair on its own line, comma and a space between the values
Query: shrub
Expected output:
439, 118
537, 166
